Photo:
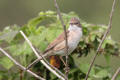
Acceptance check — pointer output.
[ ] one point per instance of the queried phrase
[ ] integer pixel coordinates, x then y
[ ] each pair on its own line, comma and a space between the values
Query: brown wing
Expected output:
53, 45
59, 46
59, 39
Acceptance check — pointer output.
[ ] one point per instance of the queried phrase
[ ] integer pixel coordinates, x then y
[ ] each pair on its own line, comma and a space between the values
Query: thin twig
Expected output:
19, 65
103, 38
65, 33
44, 61
38, 59
54, 68
21, 74
116, 73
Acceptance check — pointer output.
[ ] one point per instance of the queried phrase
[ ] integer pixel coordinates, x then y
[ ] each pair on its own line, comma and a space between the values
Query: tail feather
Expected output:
55, 61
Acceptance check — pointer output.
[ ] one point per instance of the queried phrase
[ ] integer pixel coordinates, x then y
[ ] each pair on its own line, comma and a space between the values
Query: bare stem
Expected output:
65, 33
116, 73
103, 38
44, 61
19, 65
21, 74
38, 59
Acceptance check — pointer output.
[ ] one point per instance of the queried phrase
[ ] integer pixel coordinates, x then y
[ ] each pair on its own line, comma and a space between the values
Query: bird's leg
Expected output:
62, 60
66, 69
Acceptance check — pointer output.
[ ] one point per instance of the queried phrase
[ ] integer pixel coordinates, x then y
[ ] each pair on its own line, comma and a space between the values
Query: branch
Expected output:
103, 38
38, 59
116, 73
65, 33
19, 65
44, 61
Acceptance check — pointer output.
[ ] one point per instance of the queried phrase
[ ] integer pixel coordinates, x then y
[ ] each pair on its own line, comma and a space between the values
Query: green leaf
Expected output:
40, 29
20, 49
87, 79
109, 40
102, 74
74, 70
6, 62
93, 37
1, 77
8, 36
82, 44
52, 34
104, 44
84, 68
118, 77
107, 57
34, 22
48, 13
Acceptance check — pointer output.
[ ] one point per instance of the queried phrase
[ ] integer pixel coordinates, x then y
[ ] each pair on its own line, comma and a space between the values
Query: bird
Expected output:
57, 47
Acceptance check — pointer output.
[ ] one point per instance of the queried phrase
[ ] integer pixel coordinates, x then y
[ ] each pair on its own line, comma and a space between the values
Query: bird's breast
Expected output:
74, 39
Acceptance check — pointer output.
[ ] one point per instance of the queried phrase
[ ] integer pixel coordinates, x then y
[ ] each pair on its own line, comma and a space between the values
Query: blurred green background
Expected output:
91, 11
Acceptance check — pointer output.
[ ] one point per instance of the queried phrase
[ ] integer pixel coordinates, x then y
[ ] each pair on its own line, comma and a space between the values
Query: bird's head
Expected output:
74, 23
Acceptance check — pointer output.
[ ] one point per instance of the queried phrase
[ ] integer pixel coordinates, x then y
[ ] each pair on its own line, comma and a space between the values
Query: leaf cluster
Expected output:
41, 30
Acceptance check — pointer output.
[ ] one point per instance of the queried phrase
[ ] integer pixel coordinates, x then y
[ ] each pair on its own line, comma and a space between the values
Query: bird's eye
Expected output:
71, 23
75, 23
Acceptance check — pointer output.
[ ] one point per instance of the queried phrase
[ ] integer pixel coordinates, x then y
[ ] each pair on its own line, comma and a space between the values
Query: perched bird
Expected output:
57, 47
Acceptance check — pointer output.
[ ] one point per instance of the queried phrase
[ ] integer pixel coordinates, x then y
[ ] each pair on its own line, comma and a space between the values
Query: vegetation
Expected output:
41, 30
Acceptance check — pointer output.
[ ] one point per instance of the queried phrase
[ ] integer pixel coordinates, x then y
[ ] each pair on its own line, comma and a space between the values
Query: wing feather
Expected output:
59, 40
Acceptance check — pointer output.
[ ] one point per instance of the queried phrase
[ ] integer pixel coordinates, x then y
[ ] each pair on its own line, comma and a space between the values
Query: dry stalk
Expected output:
116, 73
44, 61
103, 38
65, 33
19, 65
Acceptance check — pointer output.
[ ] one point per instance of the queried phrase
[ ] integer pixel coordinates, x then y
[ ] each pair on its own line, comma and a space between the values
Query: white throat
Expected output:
74, 28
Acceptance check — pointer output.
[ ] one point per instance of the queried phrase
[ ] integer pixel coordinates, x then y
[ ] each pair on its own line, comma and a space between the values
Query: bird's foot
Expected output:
67, 69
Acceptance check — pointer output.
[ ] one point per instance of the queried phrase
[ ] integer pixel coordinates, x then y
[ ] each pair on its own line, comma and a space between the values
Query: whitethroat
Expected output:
58, 46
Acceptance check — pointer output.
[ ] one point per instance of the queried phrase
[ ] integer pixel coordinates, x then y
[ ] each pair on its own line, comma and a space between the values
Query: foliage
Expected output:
41, 30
